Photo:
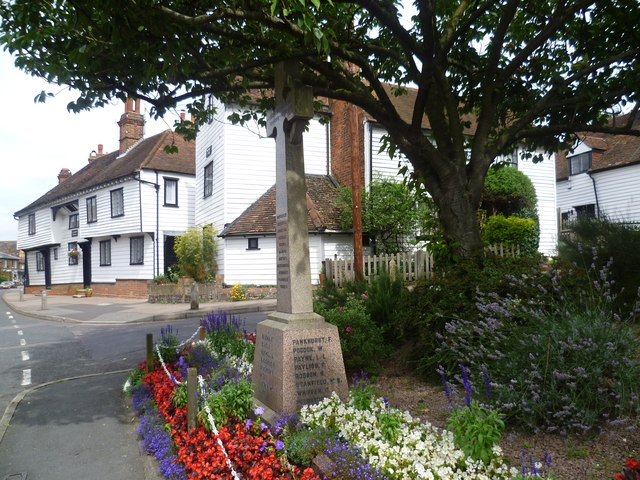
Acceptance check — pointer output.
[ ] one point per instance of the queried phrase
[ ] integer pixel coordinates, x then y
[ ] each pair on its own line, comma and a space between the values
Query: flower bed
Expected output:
364, 438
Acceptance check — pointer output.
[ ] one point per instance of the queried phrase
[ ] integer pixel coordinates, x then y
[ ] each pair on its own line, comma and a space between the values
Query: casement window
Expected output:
73, 253
208, 179
136, 251
579, 163
117, 203
32, 223
105, 253
252, 244
92, 210
170, 192
39, 262
73, 221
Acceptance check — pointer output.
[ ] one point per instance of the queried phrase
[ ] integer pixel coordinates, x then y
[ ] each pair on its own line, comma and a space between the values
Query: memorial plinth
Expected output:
298, 359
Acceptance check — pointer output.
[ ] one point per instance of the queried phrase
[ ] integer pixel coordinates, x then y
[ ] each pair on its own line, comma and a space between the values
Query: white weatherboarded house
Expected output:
600, 177
111, 225
235, 170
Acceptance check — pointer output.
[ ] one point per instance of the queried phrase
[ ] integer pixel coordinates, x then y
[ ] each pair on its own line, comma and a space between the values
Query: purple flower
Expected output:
467, 385
364, 295
348, 329
248, 423
263, 426
259, 411
279, 445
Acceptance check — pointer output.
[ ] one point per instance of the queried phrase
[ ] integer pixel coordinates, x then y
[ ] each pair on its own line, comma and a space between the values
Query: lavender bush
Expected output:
561, 360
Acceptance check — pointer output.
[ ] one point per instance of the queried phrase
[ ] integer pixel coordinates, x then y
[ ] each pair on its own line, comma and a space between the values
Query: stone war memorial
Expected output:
298, 359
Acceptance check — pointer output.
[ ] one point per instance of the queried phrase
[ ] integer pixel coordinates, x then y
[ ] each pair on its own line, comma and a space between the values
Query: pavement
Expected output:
83, 428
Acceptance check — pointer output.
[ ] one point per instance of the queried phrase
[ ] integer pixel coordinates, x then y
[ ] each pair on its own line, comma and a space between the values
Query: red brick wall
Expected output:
122, 289
344, 146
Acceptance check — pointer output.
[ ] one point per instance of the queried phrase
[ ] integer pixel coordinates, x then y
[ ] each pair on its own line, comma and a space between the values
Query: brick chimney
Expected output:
93, 155
63, 175
131, 124
345, 145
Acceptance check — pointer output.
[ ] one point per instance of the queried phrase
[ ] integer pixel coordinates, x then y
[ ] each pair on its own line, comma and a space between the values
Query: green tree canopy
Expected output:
489, 75
392, 214
196, 250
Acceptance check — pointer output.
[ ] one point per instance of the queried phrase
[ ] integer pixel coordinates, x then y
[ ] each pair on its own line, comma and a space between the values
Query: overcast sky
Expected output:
39, 139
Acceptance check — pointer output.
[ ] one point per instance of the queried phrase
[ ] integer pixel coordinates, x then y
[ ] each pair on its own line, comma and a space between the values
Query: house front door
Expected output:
86, 263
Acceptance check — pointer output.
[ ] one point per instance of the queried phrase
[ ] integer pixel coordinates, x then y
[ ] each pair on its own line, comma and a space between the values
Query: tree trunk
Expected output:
459, 220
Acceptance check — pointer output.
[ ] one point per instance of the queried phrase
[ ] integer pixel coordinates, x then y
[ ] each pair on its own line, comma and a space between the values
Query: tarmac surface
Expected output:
82, 428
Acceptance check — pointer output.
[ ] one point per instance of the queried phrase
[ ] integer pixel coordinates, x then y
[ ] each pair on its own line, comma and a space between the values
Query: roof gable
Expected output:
148, 153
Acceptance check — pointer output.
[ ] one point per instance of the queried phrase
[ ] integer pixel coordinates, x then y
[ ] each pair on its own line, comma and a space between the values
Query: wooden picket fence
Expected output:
410, 266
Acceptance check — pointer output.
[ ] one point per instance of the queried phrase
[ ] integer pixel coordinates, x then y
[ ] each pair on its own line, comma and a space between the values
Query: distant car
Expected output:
7, 284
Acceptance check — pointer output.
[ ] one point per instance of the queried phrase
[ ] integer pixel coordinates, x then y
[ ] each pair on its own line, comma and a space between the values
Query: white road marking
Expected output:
8, 313
20, 332
25, 355
16, 326
10, 316
23, 342
26, 377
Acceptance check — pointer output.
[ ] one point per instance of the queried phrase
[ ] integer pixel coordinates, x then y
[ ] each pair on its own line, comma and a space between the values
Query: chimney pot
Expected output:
100, 149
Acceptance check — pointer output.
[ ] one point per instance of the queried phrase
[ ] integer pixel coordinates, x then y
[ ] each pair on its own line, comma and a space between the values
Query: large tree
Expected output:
512, 72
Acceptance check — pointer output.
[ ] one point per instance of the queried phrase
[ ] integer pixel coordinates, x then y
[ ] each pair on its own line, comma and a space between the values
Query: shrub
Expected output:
555, 364
507, 191
610, 241
382, 304
360, 338
511, 231
196, 251
168, 345
423, 312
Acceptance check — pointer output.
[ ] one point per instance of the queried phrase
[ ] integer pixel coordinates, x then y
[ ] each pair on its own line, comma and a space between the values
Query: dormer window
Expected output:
579, 163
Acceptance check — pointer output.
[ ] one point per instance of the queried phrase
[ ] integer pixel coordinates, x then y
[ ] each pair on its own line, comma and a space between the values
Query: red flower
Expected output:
618, 476
631, 463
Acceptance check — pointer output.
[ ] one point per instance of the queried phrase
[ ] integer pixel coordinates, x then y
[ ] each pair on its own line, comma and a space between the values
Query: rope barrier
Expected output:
164, 366
215, 430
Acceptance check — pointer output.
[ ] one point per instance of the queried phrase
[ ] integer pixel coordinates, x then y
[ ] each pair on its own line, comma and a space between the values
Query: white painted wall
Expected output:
120, 268
543, 175
258, 267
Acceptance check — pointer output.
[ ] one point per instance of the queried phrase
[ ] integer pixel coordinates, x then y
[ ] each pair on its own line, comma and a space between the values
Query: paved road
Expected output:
81, 428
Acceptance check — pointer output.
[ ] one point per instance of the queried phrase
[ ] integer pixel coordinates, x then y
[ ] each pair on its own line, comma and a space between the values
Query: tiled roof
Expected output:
6, 256
404, 105
146, 154
616, 150
260, 217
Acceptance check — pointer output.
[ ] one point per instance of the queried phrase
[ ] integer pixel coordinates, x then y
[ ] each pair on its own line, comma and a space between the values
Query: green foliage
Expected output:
304, 444
134, 379
559, 357
390, 423
4, 276
361, 393
228, 340
476, 429
511, 231
179, 395
423, 311
384, 294
391, 214
168, 345
235, 399
613, 243
360, 338
196, 250
507, 191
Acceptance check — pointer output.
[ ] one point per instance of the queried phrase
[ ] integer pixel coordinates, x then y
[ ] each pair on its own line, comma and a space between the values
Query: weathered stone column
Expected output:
298, 359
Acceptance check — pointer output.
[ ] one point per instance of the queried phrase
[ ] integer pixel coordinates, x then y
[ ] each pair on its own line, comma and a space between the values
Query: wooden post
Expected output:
202, 333
192, 399
150, 362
